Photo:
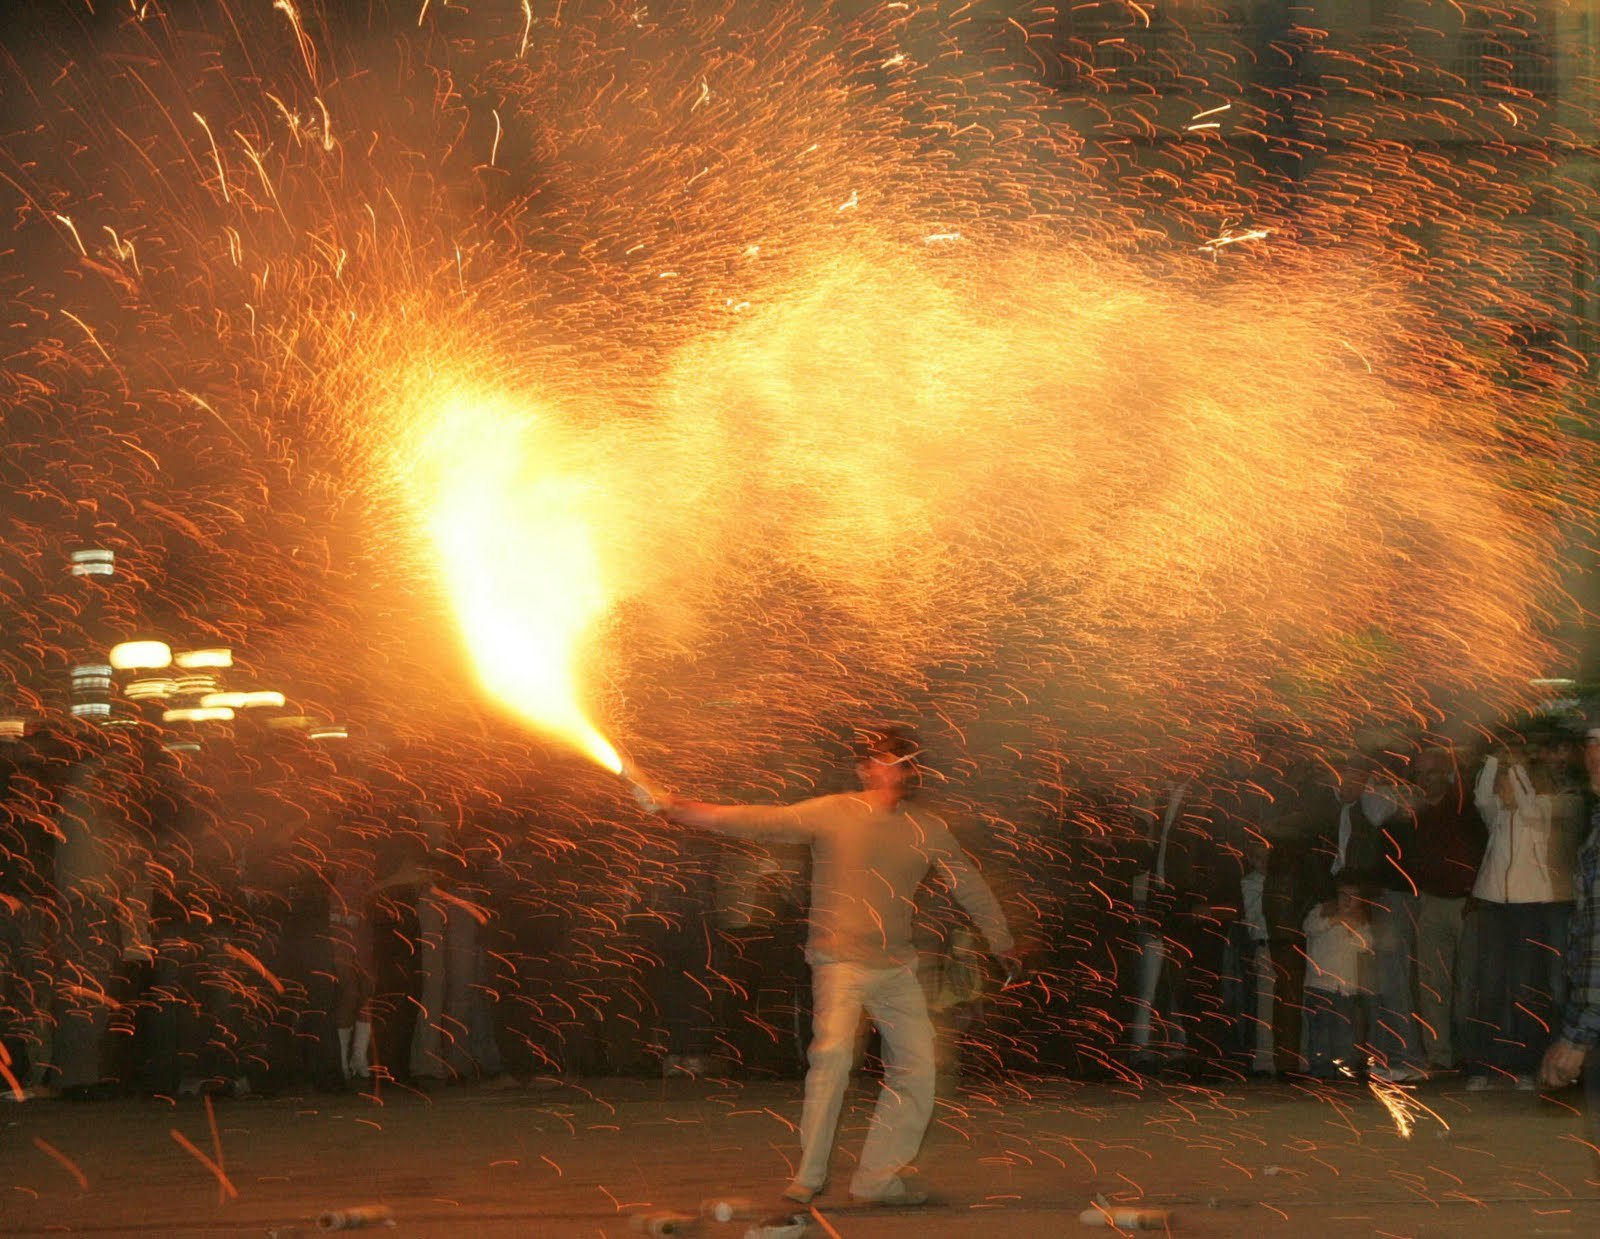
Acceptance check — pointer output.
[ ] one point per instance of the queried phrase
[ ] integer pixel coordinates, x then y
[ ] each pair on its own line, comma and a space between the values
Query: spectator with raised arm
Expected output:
1524, 893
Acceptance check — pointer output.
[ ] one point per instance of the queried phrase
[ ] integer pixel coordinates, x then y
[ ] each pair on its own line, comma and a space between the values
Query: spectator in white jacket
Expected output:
1523, 897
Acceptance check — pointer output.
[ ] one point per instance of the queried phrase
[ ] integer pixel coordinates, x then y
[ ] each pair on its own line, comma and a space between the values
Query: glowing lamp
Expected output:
192, 659
231, 701
331, 732
141, 655
262, 697
197, 714
13, 728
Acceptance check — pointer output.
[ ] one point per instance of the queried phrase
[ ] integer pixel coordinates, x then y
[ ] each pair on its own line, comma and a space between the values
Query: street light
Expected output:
197, 714
191, 660
141, 655
243, 700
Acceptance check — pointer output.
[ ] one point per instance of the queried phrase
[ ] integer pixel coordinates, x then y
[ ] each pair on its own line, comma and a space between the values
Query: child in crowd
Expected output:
1339, 957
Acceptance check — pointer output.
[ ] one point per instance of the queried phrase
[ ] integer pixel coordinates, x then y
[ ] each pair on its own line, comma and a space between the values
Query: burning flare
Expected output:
517, 559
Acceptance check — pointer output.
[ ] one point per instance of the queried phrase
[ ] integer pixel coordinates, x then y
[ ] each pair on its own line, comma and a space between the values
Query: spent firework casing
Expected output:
357, 1218
1125, 1218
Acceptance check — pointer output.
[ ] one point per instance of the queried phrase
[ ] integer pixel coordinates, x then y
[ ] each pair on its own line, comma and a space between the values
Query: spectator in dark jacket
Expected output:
1364, 841
1446, 851
1185, 895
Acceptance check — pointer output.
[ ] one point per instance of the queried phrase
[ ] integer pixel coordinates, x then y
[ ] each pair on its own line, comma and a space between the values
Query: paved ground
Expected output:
1269, 1160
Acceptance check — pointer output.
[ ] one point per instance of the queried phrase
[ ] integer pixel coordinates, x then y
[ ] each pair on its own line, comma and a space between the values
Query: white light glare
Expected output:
197, 714
141, 655
191, 659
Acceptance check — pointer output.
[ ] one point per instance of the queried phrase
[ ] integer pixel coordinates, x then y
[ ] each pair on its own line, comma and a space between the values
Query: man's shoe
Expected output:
801, 1194
781, 1226
899, 1191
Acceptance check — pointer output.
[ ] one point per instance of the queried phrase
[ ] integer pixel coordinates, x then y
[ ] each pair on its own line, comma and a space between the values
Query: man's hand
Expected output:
652, 797
1013, 965
1563, 1063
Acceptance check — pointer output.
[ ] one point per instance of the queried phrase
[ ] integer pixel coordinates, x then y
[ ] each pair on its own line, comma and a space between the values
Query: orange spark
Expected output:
72, 1167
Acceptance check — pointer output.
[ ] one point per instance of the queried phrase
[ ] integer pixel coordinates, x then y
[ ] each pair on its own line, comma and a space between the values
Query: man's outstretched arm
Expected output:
767, 823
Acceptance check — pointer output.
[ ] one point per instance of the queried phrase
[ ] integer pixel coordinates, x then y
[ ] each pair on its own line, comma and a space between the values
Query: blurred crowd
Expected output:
241, 921
1392, 916
245, 921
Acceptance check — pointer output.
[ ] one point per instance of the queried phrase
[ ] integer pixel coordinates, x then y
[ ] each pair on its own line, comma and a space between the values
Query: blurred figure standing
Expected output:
1446, 851
1186, 891
759, 987
28, 924
103, 835
1249, 977
1572, 1054
1339, 960
455, 1036
1524, 889
1364, 843
351, 885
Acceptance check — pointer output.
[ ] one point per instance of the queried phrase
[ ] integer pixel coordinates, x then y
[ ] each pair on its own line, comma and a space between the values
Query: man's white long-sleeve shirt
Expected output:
867, 863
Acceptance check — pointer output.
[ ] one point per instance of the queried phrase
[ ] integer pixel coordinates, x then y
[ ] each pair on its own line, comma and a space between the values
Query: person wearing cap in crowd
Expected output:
871, 850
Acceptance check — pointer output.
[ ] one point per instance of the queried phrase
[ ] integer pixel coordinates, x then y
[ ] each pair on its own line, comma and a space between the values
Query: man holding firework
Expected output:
871, 850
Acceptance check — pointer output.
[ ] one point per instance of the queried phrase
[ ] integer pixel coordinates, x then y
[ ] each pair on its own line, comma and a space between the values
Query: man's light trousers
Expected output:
893, 1000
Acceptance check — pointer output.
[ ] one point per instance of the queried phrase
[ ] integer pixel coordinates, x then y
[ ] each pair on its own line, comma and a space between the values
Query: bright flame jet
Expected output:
518, 560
